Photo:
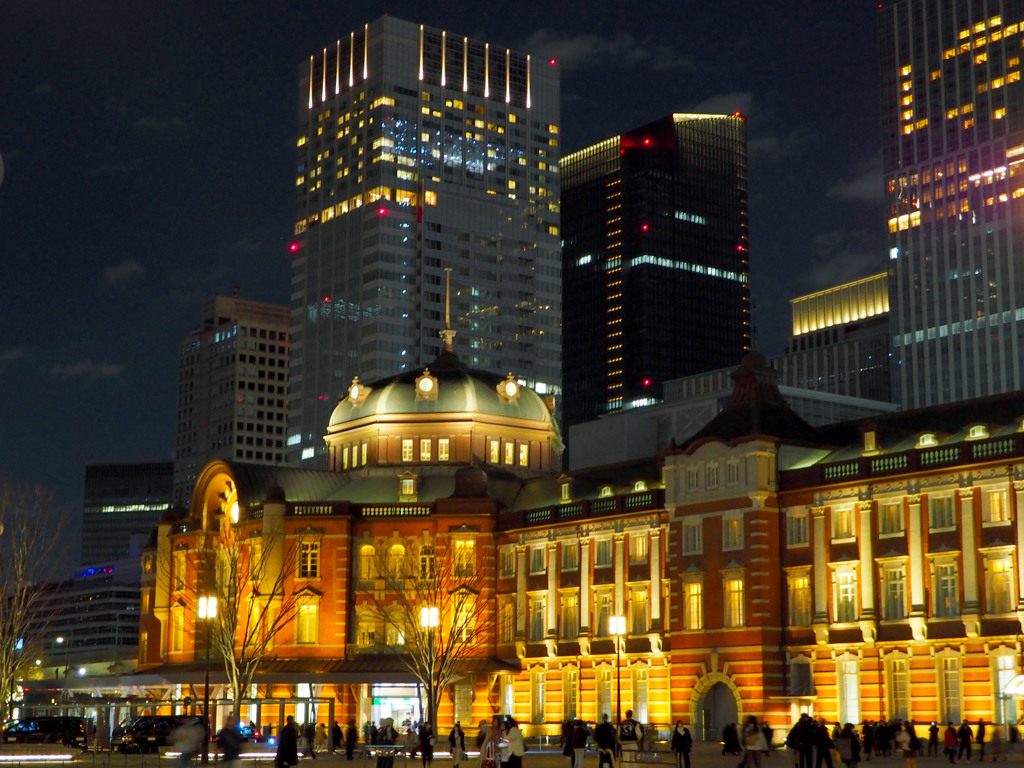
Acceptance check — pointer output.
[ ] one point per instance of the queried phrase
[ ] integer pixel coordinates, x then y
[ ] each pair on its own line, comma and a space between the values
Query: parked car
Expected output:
149, 732
47, 730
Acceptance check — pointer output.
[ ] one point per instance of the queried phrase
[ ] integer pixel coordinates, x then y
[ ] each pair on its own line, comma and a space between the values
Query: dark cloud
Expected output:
123, 272
89, 370
574, 52
864, 187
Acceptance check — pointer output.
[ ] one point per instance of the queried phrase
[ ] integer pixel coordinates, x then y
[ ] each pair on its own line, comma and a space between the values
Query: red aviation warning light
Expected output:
294, 247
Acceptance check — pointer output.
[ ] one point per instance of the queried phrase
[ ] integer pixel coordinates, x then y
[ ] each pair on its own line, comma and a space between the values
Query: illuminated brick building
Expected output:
420, 150
865, 570
765, 567
952, 152
654, 262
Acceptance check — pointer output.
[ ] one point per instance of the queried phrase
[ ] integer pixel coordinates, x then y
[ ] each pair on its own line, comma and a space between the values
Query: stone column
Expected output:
969, 547
1018, 489
620, 574
820, 566
552, 601
866, 574
915, 548
584, 586
655, 591
521, 591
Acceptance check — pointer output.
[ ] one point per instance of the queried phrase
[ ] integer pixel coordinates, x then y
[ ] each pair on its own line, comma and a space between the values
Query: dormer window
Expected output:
407, 487
566, 492
605, 492
639, 485
978, 432
927, 440
870, 442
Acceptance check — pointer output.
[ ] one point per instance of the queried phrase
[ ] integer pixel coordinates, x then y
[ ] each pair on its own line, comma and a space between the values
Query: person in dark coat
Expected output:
604, 737
567, 729
309, 734
579, 743
823, 745
287, 745
965, 736
351, 736
229, 740
336, 737
457, 744
682, 743
427, 744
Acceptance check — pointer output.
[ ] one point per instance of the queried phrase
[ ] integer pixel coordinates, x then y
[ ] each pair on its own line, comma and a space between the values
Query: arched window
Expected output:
367, 562
396, 561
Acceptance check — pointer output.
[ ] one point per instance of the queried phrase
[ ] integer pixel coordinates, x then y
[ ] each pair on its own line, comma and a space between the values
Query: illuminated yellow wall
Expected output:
842, 304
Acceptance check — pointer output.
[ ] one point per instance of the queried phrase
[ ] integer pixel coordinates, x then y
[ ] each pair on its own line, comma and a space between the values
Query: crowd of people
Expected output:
500, 743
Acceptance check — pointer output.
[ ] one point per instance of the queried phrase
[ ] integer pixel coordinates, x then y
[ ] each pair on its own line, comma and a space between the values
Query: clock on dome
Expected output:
508, 390
426, 386
357, 393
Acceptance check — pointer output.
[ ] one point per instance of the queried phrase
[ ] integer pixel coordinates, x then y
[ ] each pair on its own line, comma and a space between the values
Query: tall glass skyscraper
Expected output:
420, 151
655, 261
953, 156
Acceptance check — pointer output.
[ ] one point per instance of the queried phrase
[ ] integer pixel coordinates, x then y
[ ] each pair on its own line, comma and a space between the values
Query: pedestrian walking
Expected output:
964, 735
567, 749
682, 743
457, 744
823, 745
933, 739
426, 743
350, 739
630, 734
287, 745
516, 745
903, 743
309, 737
579, 743
979, 739
188, 738
849, 746
949, 740
754, 745
604, 737
489, 753
321, 737
229, 741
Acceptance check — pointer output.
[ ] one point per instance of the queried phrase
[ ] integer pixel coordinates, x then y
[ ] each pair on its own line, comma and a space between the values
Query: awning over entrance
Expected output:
364, 668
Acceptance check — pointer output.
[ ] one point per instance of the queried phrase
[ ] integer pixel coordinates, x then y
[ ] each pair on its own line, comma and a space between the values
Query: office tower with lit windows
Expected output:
232, 388
123, 503
421, 151
953, 159
655, 261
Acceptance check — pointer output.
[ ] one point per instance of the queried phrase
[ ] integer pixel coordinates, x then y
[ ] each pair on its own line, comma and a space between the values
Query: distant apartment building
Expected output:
232, 388
123, 502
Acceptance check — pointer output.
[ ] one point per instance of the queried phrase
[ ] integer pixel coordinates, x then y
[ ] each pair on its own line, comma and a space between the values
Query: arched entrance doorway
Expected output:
715, 708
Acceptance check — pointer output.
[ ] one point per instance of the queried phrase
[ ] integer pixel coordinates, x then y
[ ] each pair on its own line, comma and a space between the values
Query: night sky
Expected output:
148, 164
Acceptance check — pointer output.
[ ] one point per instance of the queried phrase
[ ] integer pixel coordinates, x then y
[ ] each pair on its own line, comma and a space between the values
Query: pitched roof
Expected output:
756, 408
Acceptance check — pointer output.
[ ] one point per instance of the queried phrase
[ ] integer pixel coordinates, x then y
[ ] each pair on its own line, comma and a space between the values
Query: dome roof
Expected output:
459, 390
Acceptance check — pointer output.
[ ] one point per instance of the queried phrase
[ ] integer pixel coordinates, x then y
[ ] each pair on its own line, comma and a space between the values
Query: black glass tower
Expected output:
654, 261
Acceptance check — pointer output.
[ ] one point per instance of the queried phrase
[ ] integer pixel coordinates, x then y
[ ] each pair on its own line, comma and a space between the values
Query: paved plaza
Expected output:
705, 755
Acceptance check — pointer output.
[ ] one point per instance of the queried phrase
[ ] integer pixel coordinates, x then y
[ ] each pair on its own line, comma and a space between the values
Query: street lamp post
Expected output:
430, 619
617, 629
208, 612
67, 652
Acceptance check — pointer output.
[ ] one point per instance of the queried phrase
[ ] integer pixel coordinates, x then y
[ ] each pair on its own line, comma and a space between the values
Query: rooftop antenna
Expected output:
447, 334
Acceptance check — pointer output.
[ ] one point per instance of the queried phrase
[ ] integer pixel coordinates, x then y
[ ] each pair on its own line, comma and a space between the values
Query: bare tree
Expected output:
250, 579
435, 617
30, 539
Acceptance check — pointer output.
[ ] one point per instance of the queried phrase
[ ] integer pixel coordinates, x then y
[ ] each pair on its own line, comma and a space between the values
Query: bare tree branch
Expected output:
30, 527
427, 597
